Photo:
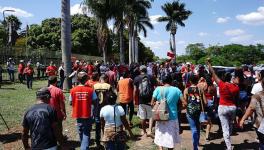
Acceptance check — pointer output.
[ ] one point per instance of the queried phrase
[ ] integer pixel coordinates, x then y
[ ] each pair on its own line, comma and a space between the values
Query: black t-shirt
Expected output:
39, 119
138, 80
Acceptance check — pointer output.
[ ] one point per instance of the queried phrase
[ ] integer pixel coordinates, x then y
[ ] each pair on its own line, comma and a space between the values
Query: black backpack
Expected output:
145, 88
194, 102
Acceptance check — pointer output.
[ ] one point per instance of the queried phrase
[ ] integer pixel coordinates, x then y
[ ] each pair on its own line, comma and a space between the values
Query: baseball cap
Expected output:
43, 93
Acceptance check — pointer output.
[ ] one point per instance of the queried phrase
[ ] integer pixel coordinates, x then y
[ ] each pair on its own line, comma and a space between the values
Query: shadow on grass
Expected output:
10, 137
5, 88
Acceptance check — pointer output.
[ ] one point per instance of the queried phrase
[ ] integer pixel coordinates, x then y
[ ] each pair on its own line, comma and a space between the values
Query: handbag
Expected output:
203, 118
160, 110
114, 134
119, 136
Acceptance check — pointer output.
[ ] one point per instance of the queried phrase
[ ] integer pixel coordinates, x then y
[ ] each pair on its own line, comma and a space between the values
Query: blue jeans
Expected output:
29, 81
195, 128
84, 126
11, 75
111, 145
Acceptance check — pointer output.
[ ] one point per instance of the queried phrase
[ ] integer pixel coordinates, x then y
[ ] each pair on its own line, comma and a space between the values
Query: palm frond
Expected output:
163, 19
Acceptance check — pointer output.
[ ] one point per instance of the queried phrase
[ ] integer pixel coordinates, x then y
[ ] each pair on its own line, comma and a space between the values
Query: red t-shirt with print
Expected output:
81, 101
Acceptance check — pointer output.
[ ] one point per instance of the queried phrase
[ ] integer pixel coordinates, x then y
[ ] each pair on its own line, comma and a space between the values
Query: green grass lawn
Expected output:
16, 99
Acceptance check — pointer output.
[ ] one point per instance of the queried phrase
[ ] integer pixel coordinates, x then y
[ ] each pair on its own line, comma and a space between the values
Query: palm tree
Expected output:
175, 15
134, 9
141, 23
66, 40
120, 25
103, 11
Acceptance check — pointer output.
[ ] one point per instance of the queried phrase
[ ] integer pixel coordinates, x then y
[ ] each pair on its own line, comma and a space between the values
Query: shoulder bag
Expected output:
160, 110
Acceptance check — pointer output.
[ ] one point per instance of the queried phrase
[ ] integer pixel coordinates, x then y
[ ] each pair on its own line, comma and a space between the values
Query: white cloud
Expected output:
80, 9
234, 32
253, 18
241, 38
202, 34
154, 19
156, 44
259, 42
17, 12
223, 19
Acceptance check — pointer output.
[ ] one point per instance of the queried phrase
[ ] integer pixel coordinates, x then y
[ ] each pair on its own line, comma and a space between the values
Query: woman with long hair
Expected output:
209, 89
167, 132
194, 98
229, 95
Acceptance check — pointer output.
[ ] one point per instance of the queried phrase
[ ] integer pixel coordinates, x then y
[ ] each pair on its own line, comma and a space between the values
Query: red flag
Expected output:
170, 54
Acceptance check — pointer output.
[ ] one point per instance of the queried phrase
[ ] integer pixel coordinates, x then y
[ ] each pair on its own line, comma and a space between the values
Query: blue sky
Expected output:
212, 22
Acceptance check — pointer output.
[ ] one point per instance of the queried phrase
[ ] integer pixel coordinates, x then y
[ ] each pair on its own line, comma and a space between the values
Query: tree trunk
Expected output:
136, 50
66, 41
133, 48
174, 47
130, 48
104, 55
121, 45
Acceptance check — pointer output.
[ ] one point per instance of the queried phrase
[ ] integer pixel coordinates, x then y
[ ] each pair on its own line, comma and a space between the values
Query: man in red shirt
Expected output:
82, 97
20, 69
51, 70
57, 101
28, 72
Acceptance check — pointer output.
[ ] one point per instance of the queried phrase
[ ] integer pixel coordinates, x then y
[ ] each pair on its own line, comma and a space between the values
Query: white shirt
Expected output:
256, 88
149, 71
10, 65
107, 112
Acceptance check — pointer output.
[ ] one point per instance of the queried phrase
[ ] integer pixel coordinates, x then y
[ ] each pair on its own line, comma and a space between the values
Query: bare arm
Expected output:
183, 102
134, 93
248, 113
211, 69
185, 97
204, 98
117, 87
25, 138
62, 106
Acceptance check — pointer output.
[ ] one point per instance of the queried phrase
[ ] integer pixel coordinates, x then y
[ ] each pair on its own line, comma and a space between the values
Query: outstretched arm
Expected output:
211, 69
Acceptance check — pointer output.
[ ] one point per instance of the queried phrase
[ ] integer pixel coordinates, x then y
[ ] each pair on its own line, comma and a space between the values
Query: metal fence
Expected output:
43, 56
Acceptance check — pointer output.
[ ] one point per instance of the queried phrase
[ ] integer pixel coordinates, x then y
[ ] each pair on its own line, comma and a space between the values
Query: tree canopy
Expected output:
227, 55
84, 38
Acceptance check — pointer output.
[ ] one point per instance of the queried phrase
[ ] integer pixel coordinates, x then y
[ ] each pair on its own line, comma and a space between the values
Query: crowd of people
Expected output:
105, 94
